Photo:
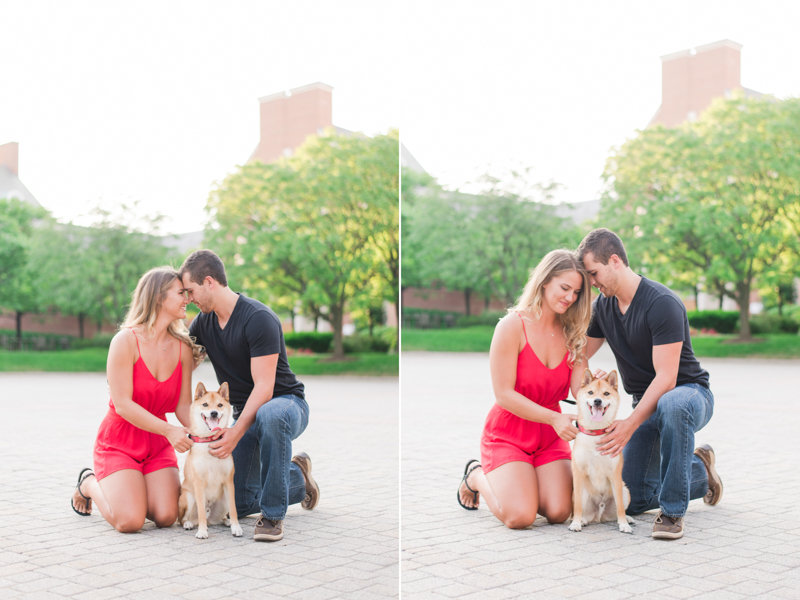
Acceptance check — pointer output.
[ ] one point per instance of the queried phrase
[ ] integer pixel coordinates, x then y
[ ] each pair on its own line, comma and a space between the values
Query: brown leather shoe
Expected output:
667, 528
706, 454
268, 531
303, 461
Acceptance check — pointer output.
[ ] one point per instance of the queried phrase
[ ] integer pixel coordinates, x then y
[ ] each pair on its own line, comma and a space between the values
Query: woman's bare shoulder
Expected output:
124, 341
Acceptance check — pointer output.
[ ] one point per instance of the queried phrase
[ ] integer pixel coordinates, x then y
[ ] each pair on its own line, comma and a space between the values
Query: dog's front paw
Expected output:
236, 530
202, 534
188, 525
625, 528
576, 525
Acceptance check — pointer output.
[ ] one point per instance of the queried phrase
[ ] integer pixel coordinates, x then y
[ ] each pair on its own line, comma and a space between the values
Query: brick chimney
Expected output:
288, 118
9, 157
691, 79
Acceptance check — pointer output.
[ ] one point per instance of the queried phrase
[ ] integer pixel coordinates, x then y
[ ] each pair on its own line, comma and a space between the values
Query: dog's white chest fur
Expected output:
214, 472
599, 469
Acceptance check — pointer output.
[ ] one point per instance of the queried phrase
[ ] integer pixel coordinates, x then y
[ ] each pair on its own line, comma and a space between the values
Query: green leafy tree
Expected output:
17, 290
319, 228
119, 248
60, 257
713, 201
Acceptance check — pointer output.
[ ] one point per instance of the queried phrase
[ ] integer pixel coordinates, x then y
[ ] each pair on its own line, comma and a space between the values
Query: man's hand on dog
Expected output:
564, 426
225, 442
617, 435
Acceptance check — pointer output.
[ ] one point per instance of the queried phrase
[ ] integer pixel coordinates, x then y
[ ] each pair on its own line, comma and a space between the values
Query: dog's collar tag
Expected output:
592, 431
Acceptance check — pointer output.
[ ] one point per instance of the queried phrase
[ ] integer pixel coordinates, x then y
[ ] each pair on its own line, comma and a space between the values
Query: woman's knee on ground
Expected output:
556, 514
519, 518
128, 523
164, 516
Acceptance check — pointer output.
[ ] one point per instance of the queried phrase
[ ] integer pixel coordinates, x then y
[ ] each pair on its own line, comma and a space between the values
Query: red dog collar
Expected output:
199, 440
592, 431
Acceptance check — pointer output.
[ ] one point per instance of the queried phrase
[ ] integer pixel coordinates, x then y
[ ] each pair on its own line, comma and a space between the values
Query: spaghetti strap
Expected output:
523, 328
137, 340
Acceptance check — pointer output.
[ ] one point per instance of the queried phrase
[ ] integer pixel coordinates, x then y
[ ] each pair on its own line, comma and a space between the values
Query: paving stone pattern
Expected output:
746, 547
346, 547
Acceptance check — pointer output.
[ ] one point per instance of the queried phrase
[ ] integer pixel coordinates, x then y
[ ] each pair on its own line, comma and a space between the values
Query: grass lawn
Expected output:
94, 359
478, 339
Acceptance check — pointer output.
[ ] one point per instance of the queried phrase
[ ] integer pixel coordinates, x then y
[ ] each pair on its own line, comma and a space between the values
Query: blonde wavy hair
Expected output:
575, 321
146, 302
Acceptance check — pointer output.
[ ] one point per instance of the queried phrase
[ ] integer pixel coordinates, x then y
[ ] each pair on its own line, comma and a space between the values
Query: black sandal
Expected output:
81, 479
467, 471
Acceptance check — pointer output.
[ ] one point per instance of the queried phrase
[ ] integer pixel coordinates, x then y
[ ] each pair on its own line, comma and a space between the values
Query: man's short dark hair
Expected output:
602, 243
202, 264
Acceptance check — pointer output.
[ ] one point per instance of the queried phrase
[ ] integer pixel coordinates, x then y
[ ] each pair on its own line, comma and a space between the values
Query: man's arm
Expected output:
593, 345
263, 370
666, 361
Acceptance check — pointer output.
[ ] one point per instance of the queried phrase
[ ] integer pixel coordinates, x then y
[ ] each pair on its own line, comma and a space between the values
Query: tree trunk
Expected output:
743, 298
487, 300
81, 318
467, 293
316, 323
337, 318
293, 315
19, 327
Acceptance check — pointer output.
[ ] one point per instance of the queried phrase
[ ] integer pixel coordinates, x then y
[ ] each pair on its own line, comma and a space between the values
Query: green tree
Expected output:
60, 261
319, 228
119, 248
715, 200
488, 242
17, 291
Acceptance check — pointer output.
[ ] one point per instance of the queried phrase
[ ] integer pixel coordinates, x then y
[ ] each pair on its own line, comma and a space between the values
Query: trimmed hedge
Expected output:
721, 321
771, 323
488, 317
317, 342
99, 341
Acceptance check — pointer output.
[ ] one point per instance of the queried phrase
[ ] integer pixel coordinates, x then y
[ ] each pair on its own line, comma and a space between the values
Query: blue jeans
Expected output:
266, 479
660, 468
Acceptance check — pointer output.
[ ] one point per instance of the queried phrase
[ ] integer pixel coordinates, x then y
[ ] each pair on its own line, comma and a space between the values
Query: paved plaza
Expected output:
746, 547
346, 548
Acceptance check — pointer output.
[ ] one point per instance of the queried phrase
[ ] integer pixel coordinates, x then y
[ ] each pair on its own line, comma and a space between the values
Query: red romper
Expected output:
122, 445
507, 437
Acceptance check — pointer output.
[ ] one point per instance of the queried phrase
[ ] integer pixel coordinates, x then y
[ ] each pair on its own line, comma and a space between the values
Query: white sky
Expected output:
554, 85
154, 101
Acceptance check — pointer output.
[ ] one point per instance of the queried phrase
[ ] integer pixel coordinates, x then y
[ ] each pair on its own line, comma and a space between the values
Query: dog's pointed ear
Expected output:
223, 391
200, 390
587, 378
612, 379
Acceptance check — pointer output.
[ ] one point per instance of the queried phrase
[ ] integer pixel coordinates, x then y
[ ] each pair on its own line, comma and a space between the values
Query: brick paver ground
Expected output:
747, 546
346, 547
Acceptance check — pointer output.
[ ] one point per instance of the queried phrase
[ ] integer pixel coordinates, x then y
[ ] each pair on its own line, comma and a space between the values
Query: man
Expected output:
645, 324
244, 340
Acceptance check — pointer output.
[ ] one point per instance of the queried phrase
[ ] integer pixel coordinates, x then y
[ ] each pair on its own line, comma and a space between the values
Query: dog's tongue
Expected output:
216, 429
597, 413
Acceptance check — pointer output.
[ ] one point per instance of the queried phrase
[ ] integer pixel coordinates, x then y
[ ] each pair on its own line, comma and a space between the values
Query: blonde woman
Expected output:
149, 371
537, 356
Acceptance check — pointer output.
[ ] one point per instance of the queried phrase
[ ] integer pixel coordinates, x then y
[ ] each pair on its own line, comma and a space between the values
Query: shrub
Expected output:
102, 340
722, 321
421, 318
365, 343
315, 341
773, 323
487, 317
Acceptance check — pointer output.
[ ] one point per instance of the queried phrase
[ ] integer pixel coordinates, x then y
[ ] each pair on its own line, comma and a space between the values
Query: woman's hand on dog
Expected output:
600, 374
564, 426
177, 437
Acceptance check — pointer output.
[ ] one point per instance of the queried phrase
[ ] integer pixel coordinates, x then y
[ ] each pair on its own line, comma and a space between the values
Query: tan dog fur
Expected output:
599, 493
208, 481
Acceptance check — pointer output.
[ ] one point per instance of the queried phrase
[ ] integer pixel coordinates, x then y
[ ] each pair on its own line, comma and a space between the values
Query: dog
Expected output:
208, 481
599, 494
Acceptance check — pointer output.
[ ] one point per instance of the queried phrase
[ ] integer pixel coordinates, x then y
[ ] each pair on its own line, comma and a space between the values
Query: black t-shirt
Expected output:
252, 330
655, 317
